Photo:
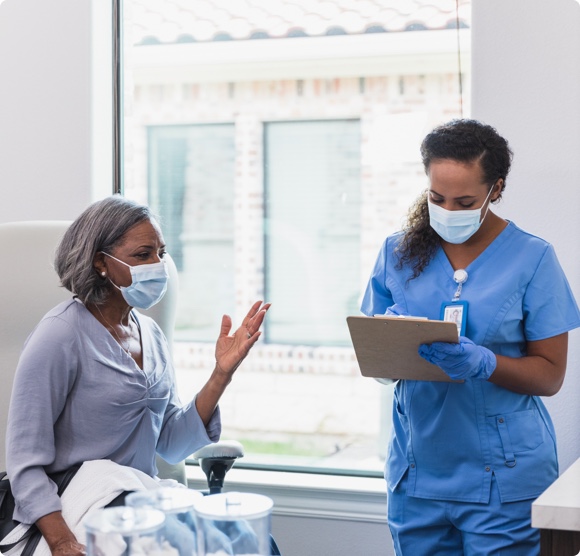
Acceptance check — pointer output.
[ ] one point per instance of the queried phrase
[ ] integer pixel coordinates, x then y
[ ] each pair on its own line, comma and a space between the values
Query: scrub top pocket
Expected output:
523, 454
515, 433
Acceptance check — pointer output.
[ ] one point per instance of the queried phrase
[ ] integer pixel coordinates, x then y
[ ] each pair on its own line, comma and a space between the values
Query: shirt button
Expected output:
501, 420
412, 466
488, 469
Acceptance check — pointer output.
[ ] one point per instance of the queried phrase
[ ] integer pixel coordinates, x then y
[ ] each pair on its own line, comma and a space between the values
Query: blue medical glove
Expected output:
396, 310
462, 360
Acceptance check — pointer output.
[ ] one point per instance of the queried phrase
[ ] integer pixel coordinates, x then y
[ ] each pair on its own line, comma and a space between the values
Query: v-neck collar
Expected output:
483, 257
113, 343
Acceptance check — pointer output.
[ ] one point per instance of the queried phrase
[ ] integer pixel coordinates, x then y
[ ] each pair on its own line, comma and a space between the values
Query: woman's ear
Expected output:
497, 188
99, 264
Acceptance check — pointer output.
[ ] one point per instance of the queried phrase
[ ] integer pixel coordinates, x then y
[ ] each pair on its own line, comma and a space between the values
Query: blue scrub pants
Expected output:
422, 527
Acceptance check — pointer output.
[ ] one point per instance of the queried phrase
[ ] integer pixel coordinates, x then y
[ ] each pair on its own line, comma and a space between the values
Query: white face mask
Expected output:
148, 283
456, 226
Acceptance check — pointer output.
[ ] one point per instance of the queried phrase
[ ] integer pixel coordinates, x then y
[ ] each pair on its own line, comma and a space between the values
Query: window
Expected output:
191, 188
312, 230
280, 148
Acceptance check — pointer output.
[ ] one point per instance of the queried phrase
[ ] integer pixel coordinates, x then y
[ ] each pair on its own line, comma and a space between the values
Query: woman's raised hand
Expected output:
230, 350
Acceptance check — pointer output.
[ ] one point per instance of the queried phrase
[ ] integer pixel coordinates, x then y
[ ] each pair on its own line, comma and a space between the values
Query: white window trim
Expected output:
308, 495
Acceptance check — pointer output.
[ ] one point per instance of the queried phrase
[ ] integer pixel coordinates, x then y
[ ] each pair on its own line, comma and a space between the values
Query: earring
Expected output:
103, 274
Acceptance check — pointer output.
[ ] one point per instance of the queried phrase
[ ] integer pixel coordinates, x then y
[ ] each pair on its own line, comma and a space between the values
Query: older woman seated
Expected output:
95, 379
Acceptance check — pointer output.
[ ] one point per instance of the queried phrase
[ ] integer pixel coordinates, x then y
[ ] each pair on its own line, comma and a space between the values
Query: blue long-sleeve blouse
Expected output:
77, 396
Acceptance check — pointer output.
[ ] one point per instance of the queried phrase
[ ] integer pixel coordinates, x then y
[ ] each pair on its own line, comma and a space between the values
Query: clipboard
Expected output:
386, 347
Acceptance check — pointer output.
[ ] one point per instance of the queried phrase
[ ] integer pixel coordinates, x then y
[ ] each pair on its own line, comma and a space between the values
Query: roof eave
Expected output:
417, 52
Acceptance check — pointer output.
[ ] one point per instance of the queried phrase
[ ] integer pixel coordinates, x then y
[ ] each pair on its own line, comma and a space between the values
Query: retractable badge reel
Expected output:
456, 309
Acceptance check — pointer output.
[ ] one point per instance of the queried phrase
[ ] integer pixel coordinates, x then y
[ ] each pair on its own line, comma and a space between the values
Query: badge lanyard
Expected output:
456, 309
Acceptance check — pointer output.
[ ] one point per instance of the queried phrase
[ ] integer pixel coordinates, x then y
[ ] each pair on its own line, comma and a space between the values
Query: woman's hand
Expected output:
538, 373
58, 536
68, 548
396, 310
230, 351
462, 360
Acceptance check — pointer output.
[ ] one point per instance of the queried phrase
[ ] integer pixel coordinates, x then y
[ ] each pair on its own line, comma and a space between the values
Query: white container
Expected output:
179, 530
234, 523
123, 531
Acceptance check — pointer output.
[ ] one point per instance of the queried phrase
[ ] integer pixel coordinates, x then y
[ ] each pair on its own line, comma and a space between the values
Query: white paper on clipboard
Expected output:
387, 346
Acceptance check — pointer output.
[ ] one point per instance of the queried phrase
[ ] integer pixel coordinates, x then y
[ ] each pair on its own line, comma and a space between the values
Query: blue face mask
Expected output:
456, 226
148, 284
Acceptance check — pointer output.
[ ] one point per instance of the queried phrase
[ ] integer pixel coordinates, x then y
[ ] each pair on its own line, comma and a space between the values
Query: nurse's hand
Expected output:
396, 310
462, 360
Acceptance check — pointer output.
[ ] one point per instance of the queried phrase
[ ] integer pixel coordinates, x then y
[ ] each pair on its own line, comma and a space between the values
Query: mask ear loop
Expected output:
118, 260
104, 274
488, 197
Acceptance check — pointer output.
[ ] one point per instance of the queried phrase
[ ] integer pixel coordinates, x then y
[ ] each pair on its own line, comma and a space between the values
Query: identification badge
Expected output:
455, 311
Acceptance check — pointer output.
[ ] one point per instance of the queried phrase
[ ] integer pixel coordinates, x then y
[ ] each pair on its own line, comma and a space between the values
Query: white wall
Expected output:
48, 157
526, 82
526, 68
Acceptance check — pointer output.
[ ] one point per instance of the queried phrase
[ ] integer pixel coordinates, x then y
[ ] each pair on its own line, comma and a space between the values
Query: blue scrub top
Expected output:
452, 437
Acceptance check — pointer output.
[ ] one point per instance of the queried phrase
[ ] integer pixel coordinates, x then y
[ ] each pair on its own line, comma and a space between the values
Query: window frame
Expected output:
117, 92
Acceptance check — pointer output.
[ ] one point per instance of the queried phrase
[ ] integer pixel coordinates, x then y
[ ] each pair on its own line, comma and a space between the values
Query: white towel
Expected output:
94, 485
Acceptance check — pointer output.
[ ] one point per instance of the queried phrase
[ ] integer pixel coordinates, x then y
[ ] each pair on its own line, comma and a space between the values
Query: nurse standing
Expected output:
467, 458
